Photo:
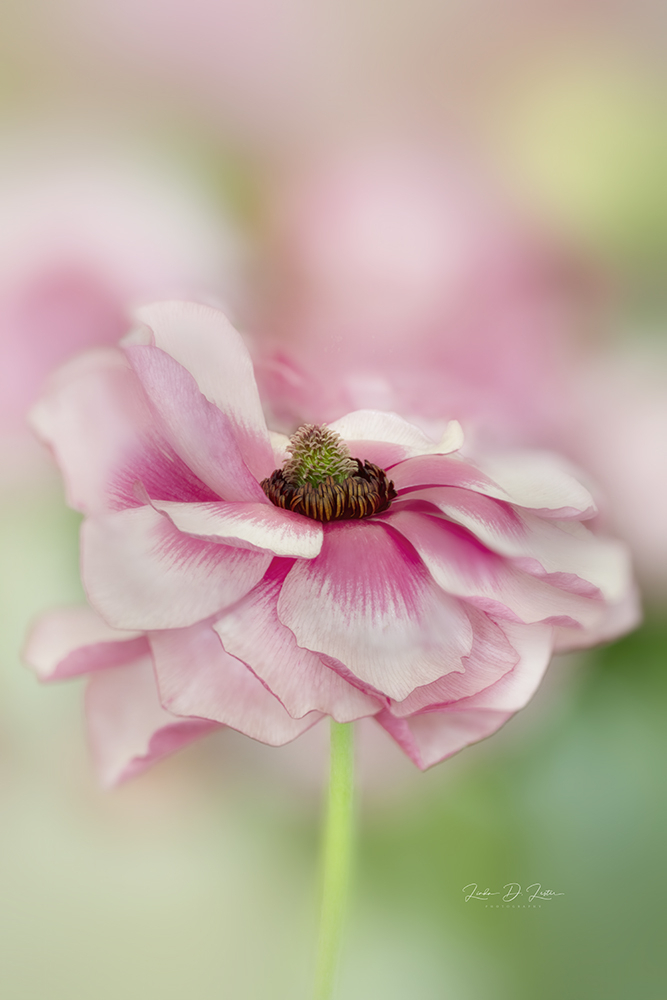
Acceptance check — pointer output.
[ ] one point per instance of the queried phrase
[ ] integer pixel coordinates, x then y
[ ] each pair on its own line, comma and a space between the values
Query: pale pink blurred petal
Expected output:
128, 727
621, 438
85, 234
407, 284
540, 481
66, 642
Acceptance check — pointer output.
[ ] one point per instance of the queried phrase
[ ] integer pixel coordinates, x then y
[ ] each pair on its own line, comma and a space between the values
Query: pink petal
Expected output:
540, 481
546, 548
202, 435
463, 567
96, 418
128, 727
620, 617
203, 340
535, 480
248, 525
490, 658
513, 690
442, 470
252, 632
197, 677
431, 737
71, 641
368, 601
386, 438
140, 572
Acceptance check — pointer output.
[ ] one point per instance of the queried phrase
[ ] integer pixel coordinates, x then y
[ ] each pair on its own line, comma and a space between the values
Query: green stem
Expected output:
336, 857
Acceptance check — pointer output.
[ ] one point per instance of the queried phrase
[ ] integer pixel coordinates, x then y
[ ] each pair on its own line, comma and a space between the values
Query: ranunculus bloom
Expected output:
437, 614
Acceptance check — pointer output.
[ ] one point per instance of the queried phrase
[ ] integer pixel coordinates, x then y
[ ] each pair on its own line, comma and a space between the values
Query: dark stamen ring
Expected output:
367, 492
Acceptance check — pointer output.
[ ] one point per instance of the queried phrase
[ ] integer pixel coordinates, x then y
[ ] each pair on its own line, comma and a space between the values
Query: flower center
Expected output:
321, 479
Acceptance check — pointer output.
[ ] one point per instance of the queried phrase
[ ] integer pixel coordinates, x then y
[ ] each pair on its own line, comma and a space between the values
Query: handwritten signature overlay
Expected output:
513, 890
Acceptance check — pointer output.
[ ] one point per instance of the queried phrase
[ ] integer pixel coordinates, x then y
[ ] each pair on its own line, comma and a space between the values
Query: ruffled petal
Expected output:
368, 601
515, 688
140, 572
537, 481
197, 677
491, 657
386, 438
620, 617
128, 728
565, 552
430, 737
97, 420
200, 433
70, 641
463, 567
252, 632
542, 482
258, 527
203, 341
422, 471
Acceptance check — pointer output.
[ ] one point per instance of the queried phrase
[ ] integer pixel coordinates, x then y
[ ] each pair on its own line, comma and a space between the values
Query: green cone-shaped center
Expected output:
317, 452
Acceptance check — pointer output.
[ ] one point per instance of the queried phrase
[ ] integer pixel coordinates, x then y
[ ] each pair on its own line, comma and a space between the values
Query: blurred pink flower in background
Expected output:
398, 278
622, 430
84, 238
434, 604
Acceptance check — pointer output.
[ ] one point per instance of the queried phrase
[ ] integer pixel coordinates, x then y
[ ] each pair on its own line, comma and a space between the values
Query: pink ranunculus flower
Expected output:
237, 578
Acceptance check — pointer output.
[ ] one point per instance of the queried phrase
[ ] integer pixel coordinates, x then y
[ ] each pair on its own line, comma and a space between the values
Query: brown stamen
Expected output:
368, 491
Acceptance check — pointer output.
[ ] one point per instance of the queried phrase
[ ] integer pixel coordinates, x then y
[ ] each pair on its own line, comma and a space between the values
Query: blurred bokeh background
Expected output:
452, 209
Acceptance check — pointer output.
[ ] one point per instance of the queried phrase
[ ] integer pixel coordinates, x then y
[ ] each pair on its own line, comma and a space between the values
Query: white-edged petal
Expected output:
386, 438
258, 527
199, 432
541, 546
140, 572
368, 601
196, 676
540, 481
203, 340
464, 568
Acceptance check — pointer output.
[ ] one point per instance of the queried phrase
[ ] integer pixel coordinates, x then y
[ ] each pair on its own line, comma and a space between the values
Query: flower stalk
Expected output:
337, 856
